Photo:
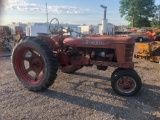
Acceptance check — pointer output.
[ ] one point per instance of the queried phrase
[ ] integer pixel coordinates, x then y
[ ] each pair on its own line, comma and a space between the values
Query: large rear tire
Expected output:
34, 64
126, 82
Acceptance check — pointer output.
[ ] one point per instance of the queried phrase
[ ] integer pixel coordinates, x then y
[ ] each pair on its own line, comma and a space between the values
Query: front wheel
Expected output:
126, 82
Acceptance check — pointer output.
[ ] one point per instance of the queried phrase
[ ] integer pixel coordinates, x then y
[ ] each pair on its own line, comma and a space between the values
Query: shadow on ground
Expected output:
140, 101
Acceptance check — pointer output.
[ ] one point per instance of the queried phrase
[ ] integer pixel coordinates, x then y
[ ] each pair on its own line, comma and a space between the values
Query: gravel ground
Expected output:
85, 95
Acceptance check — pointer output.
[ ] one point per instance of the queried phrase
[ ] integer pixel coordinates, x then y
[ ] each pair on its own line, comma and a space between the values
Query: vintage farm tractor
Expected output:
36, 59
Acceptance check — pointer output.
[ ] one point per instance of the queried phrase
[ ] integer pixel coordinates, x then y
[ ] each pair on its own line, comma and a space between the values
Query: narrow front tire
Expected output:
126, 82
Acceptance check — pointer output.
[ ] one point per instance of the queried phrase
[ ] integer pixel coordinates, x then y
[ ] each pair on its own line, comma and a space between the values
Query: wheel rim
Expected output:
140, 40
126, 84
30, 65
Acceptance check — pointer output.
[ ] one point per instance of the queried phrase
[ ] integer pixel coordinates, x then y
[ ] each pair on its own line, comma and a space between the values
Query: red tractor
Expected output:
36, 59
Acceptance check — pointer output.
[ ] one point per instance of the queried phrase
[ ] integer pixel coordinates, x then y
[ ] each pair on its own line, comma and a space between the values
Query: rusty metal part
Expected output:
98, 41
121, 56
113, 64
126, 84
83, 60
63, 58
31, 65
50, 42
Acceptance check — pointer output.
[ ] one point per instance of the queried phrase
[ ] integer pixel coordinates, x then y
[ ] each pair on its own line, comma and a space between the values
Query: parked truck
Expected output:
140, 35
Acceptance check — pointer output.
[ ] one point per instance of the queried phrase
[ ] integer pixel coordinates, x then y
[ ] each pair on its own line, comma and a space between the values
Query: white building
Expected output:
33, 28
13, 25
98, 29
86, 29
110, 29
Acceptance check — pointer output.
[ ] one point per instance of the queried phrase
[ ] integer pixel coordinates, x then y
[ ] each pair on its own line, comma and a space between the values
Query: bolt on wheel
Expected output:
126, 84
30, 65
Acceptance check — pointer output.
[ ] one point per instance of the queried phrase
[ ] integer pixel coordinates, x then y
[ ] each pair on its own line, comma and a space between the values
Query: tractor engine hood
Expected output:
98, 41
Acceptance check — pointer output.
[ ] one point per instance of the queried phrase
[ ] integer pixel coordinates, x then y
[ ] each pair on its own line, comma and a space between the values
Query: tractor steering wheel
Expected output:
54, 25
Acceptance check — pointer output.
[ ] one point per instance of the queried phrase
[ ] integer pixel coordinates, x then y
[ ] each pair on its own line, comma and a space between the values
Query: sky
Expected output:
67, 11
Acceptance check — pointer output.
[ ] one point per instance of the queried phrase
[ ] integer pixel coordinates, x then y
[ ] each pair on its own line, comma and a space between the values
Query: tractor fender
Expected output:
51, 43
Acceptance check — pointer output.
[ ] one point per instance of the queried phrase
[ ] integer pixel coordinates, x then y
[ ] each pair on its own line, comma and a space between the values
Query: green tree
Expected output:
137, 12
157, 16
155, 24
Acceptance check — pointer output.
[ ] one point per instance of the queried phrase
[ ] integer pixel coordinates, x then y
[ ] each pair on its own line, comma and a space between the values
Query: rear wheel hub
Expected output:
36, 64
30, 66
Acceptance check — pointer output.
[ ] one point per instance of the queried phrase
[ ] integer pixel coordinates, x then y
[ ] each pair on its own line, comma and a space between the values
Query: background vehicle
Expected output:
36, 59
122, 32
150, 51
154, 36
140, 35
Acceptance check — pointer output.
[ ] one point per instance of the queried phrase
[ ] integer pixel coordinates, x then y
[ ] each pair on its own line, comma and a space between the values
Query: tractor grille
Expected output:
129, 52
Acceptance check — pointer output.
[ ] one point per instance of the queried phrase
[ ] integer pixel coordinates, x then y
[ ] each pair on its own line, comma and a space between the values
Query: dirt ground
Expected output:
85, 95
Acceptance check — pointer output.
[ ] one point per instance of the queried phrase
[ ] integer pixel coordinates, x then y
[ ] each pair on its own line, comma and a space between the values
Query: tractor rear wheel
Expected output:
34, 64
126, 82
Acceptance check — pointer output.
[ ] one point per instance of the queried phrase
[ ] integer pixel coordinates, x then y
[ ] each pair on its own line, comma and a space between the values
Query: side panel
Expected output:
120, 52
88, 43
144, 48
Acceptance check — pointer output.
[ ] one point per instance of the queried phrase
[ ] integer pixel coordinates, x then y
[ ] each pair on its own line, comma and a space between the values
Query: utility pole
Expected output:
47, 12
159, 17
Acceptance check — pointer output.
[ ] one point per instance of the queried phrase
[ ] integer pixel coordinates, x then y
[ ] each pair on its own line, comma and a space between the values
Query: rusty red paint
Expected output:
98, 42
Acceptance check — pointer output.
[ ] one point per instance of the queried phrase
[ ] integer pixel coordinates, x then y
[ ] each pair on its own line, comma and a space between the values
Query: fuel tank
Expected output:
98, 41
